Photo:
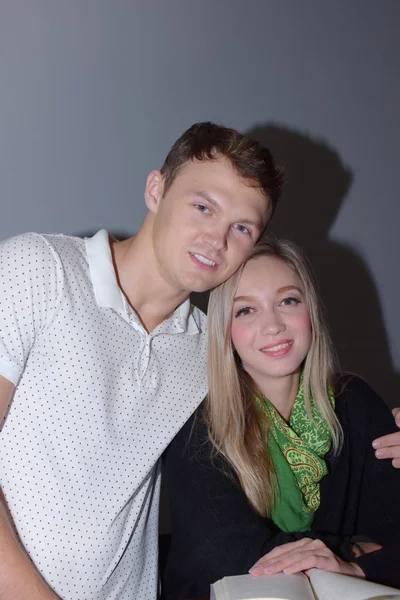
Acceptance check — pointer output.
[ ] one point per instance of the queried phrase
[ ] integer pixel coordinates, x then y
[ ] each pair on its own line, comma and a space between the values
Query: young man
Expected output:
102, 360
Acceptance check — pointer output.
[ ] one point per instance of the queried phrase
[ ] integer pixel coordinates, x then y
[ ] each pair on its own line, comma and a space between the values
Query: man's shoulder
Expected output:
28, 254
42, 256
62, 242
40, 243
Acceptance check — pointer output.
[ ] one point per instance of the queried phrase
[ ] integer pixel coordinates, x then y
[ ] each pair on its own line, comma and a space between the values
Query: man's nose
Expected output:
216, 237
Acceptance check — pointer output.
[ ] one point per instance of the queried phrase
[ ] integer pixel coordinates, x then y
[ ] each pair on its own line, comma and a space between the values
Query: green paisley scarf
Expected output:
297, 450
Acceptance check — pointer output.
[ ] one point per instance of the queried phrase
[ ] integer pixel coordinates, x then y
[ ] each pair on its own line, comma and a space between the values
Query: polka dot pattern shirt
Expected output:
97, 400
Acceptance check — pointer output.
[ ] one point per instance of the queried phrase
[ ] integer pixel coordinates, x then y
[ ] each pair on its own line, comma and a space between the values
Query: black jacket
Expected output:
216, 533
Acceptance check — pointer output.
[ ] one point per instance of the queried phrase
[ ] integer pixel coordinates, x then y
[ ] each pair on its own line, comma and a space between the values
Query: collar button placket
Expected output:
144, 355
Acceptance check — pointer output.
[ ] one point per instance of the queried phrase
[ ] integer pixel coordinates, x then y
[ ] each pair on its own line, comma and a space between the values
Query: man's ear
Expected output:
154, 190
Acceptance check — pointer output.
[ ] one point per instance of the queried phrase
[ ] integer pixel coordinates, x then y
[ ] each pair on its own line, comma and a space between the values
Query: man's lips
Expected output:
203, 261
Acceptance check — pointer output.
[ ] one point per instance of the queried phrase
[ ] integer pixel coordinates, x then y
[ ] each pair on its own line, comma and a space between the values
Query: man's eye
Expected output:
202, 208
290, 301
242, 228
246, 310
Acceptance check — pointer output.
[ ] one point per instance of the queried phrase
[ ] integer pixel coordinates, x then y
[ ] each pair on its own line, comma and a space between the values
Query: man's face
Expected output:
205, 225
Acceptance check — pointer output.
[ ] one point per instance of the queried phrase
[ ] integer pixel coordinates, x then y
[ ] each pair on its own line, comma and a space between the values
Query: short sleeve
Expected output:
30, 282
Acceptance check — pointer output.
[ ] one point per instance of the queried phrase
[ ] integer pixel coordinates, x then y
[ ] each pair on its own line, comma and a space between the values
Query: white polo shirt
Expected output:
96, 403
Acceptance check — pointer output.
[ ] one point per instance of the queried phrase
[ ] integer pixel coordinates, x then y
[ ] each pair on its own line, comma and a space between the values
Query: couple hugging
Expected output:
104, 363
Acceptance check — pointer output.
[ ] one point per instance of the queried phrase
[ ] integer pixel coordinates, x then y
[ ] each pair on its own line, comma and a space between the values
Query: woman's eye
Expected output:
290, 301
202, 208
242, 228
246, 310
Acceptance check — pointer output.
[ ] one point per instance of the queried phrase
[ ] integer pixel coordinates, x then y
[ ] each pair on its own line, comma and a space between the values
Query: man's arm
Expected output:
388, 446
19, 578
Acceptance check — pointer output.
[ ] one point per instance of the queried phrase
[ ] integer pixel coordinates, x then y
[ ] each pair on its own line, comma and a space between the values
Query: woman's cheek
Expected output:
302, 325
241, 335
306, 324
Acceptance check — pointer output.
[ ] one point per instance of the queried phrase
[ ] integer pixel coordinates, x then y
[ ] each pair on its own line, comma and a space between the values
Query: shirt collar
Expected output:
185, 315
106, 289
108, 294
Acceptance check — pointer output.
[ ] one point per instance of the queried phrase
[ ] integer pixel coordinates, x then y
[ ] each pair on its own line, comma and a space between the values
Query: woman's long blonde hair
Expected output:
237, 428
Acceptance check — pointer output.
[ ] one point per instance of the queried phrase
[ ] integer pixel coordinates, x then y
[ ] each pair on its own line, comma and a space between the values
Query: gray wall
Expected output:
93, 92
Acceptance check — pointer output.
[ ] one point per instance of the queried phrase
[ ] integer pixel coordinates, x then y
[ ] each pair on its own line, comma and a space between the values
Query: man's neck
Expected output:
138, 277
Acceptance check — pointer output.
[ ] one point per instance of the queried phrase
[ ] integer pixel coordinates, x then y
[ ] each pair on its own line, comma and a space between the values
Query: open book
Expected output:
318, 585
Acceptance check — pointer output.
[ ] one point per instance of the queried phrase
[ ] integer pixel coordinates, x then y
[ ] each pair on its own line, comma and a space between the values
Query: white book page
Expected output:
267, 587
332, 586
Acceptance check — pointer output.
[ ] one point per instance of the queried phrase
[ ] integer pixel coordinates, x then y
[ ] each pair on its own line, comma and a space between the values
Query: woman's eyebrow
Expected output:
285, 288
243, 298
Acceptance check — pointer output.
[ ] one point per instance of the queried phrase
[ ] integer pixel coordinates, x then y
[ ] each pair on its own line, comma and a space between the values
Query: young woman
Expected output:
276, 471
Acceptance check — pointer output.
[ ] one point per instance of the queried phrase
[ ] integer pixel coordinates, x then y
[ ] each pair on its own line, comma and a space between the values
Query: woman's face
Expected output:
271, 327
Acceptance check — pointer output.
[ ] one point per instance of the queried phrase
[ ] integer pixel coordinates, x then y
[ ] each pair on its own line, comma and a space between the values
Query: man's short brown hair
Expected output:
208, 141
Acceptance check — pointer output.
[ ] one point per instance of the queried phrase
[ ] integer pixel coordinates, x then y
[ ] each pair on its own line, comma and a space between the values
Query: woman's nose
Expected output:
272, 323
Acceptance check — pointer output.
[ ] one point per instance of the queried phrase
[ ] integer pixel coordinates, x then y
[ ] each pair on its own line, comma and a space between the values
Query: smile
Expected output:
281, 348
203, 260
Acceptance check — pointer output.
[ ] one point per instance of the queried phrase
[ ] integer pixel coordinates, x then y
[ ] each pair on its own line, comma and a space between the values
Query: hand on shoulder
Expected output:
388, 446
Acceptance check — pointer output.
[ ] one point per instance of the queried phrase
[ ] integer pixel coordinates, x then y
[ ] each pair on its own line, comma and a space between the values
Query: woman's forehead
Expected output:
268, 271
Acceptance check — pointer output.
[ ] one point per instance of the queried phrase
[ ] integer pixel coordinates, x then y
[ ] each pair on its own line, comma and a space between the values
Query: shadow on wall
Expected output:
118, 235
317, 183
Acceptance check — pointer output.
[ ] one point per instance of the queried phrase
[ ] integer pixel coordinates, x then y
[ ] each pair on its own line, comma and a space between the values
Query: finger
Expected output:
392, 439
278, 564
267, 566
275, 565
326, 563
396, 414
283, 548
396, 463
392, 452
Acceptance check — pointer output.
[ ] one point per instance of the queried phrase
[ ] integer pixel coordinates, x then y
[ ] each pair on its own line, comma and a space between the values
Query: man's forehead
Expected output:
218, 182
